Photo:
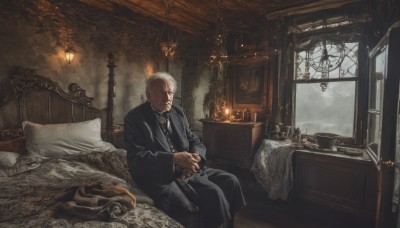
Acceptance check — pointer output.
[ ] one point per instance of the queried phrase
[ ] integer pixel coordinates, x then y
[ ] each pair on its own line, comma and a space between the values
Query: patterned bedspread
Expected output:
31, 195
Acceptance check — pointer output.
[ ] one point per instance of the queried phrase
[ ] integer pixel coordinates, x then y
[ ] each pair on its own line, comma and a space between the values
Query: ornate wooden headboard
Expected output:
26, 95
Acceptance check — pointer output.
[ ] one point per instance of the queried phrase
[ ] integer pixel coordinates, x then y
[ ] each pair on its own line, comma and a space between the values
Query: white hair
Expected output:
163, 76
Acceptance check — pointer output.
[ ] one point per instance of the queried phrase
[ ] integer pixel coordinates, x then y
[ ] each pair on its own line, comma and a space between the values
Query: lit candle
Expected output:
227, 111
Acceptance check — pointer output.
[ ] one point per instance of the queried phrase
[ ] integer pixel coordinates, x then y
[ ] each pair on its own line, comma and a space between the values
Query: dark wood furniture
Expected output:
232, 143
26, 95
338, 181
29, 96
110, 129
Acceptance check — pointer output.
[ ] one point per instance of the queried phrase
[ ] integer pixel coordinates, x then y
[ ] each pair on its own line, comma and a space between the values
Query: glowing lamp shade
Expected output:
69, 55
168, 48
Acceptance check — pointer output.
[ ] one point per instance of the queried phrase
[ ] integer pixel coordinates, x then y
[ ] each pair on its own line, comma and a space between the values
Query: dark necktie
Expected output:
164, 124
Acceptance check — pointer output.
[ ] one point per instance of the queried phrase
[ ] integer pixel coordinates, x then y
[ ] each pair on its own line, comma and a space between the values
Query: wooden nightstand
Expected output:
232, 143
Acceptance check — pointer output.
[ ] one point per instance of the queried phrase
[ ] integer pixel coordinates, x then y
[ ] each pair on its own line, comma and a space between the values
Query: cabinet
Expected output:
232, 143
338, 181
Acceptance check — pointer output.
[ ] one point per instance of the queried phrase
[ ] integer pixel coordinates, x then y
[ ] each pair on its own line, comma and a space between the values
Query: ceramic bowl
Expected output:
326, 140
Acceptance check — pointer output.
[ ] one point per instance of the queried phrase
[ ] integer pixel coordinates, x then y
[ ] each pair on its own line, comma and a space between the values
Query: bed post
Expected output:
110, 101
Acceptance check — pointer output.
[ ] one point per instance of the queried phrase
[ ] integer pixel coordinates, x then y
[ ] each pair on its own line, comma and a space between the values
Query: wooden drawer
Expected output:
232, 143
345, 184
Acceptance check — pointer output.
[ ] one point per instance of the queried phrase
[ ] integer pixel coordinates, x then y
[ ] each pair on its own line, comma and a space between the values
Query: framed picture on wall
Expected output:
249, 86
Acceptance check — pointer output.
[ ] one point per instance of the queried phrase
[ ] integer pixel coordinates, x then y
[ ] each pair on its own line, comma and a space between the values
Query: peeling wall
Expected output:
36, 33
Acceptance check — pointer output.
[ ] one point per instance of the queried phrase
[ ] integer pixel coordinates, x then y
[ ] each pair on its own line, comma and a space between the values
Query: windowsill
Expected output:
231, 122
362, 158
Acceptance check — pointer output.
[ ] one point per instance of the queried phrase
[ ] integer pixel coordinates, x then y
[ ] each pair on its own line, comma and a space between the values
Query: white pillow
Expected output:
56, 140
8, 159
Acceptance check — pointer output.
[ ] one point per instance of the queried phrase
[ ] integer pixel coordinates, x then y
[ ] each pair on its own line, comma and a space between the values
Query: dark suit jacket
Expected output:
149, 158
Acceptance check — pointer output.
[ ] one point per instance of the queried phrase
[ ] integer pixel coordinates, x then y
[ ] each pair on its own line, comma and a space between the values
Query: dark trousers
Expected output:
217, 194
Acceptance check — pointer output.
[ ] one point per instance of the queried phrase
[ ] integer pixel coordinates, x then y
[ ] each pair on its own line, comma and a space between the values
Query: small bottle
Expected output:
247, 115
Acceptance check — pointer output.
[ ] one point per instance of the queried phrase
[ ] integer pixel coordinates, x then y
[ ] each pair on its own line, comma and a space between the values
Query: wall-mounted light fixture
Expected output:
69, 54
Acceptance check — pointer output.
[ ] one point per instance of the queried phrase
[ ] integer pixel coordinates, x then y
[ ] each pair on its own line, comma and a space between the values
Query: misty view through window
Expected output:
333, 110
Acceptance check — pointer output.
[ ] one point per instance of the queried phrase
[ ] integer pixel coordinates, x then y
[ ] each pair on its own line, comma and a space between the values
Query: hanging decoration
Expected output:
324, 56
219, 52
168, 47
330, 54
215, 99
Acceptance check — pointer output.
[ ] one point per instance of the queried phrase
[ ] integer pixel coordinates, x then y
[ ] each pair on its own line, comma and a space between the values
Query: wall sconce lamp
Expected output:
69, 55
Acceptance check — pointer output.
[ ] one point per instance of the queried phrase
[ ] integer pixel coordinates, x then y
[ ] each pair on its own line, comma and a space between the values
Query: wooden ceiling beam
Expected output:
309, 8
193, 20
199, 17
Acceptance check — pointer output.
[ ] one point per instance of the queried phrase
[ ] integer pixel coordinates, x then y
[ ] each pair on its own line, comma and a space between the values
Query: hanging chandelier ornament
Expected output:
168, 47
324, 66
219, 52
324, 57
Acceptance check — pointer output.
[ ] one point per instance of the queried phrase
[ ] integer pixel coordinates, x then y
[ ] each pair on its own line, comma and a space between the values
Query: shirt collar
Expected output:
165, 114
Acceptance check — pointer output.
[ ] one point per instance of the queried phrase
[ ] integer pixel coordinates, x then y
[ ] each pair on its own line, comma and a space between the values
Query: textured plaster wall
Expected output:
34, 34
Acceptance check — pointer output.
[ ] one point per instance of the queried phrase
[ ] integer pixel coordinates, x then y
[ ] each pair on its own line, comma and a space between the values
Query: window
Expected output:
325, 86
377, 76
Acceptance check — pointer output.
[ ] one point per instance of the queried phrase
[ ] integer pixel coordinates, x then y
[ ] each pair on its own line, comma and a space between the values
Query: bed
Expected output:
57, 168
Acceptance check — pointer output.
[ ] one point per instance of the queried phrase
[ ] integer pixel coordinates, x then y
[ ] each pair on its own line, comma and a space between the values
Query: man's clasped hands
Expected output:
186, 164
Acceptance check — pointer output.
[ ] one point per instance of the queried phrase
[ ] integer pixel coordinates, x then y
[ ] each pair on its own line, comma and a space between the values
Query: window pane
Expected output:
377, 84
377, 75
373, 131
307, 61
330, 111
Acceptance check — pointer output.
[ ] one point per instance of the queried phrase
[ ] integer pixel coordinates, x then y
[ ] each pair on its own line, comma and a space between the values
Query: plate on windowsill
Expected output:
315, 147
333, 149
351, 151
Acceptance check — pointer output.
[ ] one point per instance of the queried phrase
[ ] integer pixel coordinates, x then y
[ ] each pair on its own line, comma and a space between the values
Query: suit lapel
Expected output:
157, 132
160, 137
177, 125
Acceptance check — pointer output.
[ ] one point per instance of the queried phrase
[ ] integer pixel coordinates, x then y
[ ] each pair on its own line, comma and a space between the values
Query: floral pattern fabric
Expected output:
31, 193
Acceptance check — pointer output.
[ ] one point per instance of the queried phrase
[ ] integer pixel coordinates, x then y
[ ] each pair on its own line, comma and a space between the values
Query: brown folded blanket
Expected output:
101, 200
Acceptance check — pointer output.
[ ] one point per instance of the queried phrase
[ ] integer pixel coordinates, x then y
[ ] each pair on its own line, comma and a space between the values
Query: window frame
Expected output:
361, 99
382, 47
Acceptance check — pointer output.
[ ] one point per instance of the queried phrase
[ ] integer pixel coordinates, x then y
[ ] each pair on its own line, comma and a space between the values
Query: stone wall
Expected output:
35, 34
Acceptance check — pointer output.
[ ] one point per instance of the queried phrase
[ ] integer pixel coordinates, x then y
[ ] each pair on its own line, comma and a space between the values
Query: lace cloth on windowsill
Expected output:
272, 168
